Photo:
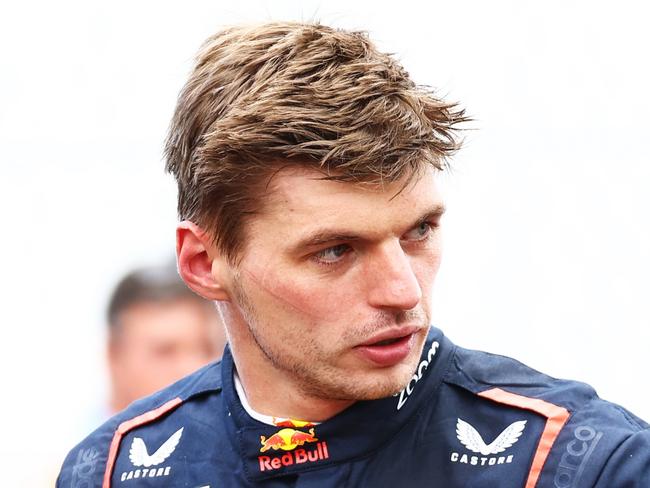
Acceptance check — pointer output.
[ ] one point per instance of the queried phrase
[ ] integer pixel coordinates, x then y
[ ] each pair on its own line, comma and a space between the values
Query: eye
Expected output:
333, 254
420, 232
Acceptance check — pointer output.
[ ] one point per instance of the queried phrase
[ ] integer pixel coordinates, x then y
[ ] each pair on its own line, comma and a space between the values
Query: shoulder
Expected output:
480, 371
86, 464
586, 441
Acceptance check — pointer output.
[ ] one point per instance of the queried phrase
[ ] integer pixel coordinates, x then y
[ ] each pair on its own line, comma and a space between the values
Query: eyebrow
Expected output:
325, 236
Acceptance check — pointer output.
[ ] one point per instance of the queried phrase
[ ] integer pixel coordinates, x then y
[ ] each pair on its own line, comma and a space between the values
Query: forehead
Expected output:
299, 201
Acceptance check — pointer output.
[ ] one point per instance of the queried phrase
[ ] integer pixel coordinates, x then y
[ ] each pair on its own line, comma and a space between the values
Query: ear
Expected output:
202, 268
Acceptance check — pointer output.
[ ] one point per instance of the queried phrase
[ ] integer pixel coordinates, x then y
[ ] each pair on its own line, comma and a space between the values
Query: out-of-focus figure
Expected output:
159, 331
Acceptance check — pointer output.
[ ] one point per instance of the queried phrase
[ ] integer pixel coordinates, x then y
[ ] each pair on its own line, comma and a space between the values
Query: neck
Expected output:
275, 395
270, 390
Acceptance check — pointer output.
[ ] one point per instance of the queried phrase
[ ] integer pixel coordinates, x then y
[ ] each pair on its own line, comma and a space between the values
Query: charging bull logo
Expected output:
288, 439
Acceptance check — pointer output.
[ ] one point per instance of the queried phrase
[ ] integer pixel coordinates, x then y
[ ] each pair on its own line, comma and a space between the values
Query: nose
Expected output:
391, 281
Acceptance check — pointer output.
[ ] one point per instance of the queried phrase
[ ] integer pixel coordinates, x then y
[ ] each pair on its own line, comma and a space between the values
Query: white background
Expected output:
547, 232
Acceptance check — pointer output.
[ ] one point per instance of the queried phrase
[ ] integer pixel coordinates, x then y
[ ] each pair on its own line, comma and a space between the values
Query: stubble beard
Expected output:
315, 376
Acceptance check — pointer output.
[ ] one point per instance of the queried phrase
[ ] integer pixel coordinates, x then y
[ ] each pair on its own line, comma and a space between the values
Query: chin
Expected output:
376, 385
384, 383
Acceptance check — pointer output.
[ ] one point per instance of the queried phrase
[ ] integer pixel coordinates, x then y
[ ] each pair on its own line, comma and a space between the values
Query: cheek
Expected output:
426, 270
294, 294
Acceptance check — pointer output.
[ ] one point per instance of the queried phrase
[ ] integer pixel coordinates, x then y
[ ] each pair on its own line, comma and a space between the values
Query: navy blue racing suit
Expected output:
465, 419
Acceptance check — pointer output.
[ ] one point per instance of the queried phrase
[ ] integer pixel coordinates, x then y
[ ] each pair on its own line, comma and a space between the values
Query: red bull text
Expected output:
298, 456
287, 440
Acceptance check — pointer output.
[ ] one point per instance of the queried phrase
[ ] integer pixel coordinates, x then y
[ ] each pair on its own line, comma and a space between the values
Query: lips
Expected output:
389, 347
390, 335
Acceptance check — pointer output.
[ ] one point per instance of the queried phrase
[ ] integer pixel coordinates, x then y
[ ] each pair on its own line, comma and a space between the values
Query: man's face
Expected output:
334, 285
160, 342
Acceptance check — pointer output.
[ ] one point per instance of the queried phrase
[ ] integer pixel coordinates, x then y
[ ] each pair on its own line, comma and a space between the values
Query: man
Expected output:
159, 331
306, 162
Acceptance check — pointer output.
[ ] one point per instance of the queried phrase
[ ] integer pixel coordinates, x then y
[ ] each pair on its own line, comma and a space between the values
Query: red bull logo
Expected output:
288, 439
298, 456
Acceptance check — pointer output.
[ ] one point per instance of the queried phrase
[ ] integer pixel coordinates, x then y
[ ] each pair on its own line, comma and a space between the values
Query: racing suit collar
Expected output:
269, 451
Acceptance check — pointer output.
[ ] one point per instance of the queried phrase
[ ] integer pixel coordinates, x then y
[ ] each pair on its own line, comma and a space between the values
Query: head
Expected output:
306, 163
159, 331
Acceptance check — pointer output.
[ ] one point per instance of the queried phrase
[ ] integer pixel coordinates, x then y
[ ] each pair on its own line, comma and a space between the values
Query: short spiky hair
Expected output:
265, 96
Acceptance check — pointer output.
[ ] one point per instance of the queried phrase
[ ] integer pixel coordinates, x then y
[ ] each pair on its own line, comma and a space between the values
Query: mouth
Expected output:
390, 347
387, 342
390, 336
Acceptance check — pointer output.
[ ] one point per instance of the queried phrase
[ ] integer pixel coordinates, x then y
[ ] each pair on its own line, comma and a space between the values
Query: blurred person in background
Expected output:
158, 332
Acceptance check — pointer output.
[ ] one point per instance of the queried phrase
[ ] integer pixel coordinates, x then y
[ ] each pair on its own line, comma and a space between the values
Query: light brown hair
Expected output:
266, 96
